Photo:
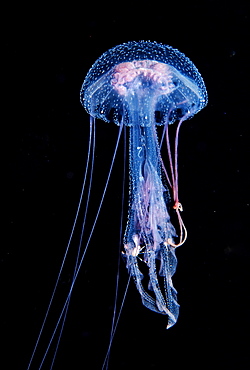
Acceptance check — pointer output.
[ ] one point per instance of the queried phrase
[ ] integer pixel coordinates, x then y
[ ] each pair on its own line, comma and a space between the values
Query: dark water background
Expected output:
47, 53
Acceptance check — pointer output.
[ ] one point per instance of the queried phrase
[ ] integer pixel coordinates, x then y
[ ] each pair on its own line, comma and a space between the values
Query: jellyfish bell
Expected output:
167, 78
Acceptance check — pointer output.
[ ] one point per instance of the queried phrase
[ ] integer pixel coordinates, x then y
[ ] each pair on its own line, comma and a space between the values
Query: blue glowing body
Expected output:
141, 85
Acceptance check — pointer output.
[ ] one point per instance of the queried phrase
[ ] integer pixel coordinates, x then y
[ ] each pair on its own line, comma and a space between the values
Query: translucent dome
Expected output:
171, 81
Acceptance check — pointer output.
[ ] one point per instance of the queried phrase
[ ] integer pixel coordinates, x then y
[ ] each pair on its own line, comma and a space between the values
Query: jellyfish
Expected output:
140, 86
143, 85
